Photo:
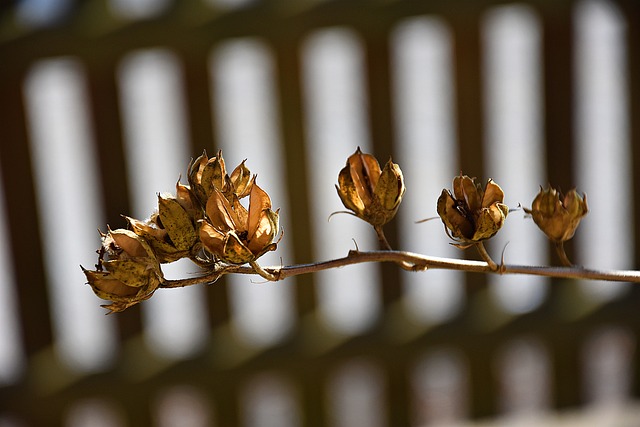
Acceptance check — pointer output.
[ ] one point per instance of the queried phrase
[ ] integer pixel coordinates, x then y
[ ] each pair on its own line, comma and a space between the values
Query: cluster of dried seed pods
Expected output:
206, 222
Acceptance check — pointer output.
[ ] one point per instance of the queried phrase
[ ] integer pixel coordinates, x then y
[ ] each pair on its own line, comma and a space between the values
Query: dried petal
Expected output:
189, 202
347, 191
490, 221
158, 240
390, 187
108, 288
129, 272
212, 239
241, 180
365, 172
456, 223
177, 222
132, 244
492, 194
196, 167
472, 195
458, 191
265, 231
235, 251
219, 172
242, 214
221, 213
259, 201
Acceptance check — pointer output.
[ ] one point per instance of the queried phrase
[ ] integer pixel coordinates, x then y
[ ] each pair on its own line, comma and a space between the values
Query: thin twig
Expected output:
384, 243
382, 239
263, 273
562, 254
421, 262
485, 256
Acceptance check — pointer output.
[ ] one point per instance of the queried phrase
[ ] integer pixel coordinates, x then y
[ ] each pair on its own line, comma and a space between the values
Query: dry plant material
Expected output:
371, 193
207, 223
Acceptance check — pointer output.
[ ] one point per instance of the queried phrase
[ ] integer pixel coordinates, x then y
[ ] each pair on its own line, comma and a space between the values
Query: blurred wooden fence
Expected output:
395, 362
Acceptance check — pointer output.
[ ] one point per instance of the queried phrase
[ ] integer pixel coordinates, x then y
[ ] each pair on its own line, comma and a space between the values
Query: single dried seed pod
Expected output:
131, 270
236, 235
472, 214
371, 193
556, 215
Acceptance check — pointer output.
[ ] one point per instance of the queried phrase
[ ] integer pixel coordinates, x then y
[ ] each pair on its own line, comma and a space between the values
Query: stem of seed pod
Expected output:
485, 256
201, 262
382, 239
562, 254
262, 272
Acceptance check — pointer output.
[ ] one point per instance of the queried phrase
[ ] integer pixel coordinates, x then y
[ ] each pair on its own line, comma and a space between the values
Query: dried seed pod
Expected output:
128, 271
206, 174
556, 215
171, 231
372, 194
236, 235
472, 214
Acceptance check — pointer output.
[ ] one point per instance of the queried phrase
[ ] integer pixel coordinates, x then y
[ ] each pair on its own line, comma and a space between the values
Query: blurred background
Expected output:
104, 102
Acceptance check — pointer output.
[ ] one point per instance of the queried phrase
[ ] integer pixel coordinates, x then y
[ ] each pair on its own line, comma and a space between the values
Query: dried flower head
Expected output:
236, 235
206, 174
472, 214
556, 215
370, 193
127, 271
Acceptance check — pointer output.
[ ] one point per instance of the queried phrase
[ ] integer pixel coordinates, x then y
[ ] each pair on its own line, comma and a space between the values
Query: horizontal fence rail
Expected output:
104, 103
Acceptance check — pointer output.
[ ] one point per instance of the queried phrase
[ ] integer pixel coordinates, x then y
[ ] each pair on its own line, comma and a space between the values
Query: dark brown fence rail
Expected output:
570, 354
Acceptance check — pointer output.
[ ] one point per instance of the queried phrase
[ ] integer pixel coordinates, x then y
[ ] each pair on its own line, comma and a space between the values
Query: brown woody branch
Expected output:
417, 261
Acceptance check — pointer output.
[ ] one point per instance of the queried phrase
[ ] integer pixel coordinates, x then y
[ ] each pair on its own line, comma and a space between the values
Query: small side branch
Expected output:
562, 254
382, 239
485, 256
272, 277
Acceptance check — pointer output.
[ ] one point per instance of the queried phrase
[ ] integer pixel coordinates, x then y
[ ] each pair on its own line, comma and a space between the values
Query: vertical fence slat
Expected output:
25, 243
468, 91
381, 123
558, 78
289, 84
198, 97
631, 11
105, 115
378, 77
466, 29
469, 126
22, 215
558, 81
197, 89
